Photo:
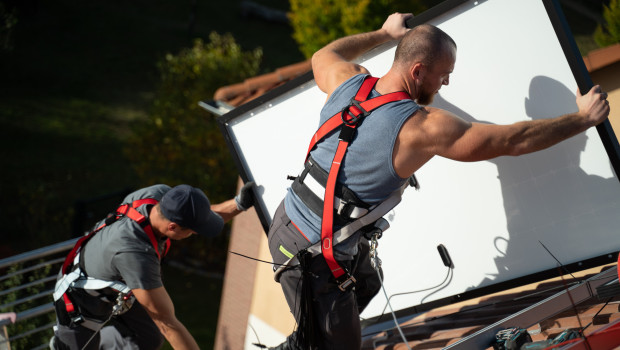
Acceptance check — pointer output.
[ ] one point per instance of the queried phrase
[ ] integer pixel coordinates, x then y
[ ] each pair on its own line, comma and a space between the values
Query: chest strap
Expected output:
347, 120
310, 188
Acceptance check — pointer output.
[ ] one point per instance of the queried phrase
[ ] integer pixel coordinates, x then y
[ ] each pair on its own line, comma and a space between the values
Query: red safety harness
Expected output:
348, 119
128, 210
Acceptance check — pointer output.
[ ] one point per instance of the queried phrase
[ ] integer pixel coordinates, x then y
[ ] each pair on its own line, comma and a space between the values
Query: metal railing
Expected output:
39, 267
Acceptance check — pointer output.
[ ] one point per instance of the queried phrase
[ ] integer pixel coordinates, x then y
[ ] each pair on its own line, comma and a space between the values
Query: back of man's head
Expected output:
424, 43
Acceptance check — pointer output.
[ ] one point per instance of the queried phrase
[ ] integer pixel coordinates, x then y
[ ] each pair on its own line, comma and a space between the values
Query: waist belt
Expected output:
310, 188
348, 230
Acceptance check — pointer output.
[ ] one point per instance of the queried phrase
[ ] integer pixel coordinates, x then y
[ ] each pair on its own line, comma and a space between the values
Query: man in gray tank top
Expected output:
424, 59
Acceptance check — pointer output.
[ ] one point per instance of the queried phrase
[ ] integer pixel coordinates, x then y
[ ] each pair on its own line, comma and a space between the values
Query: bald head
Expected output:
425, 44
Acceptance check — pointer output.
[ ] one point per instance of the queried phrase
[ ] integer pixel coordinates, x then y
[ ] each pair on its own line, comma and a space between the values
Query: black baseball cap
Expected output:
189, 207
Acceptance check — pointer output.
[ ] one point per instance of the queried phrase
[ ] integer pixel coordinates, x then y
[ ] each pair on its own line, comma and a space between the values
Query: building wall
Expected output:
239, 279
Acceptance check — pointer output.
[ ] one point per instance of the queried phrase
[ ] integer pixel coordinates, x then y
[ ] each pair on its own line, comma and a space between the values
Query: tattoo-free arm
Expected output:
227, 210
158, 305
460, 140
331, 64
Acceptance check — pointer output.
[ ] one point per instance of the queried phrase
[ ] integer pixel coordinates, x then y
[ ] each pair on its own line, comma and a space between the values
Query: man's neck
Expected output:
156, 222
392, 82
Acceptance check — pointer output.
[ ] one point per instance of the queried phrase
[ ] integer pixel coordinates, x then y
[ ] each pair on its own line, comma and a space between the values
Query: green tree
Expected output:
317, 22
181, 143
8, 20
609, 33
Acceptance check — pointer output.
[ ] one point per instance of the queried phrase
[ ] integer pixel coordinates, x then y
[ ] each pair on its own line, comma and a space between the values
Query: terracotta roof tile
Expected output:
443, 326
240, 93
600, 58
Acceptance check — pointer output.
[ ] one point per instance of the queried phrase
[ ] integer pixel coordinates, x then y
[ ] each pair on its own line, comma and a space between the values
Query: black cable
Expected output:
258, 343
556, 259
439, 288
259, 260
598, 312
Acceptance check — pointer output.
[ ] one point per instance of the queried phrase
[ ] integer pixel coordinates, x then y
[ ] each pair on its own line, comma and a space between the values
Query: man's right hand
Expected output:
395, 25
593, 105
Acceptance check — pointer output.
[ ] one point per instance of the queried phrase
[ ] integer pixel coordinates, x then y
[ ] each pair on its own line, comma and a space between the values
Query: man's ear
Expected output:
172, 226
417, 70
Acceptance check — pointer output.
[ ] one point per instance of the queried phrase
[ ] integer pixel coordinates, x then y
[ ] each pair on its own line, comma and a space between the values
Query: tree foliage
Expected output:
318, 22
8, 20
609, 33
180, 142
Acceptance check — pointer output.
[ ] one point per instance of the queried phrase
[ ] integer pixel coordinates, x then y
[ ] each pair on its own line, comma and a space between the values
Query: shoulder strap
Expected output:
132, 213
135, 215
347, 120
355, 109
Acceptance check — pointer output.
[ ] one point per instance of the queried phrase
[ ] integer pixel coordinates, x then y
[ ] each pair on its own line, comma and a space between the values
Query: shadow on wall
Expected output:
548, 197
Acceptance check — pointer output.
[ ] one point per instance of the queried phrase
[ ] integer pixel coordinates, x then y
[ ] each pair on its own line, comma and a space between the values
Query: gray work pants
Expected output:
133, 330
336, 312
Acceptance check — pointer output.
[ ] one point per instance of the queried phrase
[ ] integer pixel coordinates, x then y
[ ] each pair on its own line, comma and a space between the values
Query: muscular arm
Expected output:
433, 131
474, 141
159, 306
331, 64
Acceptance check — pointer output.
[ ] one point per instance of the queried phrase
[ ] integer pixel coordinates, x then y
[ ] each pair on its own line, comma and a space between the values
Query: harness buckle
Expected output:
344, 210
352, 118
345, 282
77, 320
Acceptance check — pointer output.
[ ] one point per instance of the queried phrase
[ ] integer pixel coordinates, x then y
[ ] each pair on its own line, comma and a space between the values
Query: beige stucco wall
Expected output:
239, 278
269, 303
609, 79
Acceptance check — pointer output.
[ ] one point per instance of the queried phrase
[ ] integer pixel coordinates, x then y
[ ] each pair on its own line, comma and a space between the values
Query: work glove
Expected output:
245, 198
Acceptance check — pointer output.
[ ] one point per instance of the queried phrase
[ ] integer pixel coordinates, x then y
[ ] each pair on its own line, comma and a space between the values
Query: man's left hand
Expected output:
245, 198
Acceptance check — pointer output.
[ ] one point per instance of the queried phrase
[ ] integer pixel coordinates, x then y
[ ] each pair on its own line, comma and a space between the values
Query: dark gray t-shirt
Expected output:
123, 251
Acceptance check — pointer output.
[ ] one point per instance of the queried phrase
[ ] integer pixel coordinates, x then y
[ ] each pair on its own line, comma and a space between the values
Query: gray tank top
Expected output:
367, 167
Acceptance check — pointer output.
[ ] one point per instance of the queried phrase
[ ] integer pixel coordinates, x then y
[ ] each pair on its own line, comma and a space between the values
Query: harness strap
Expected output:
68, 303
347, 231
368, 105
133, 214
310, 188
76, 278
348, 120
73, 253
120, 211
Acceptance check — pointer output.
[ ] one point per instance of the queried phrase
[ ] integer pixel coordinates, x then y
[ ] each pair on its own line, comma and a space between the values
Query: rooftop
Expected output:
481, 318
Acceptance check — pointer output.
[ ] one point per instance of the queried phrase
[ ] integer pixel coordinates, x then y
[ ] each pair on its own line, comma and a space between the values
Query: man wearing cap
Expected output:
124, 251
